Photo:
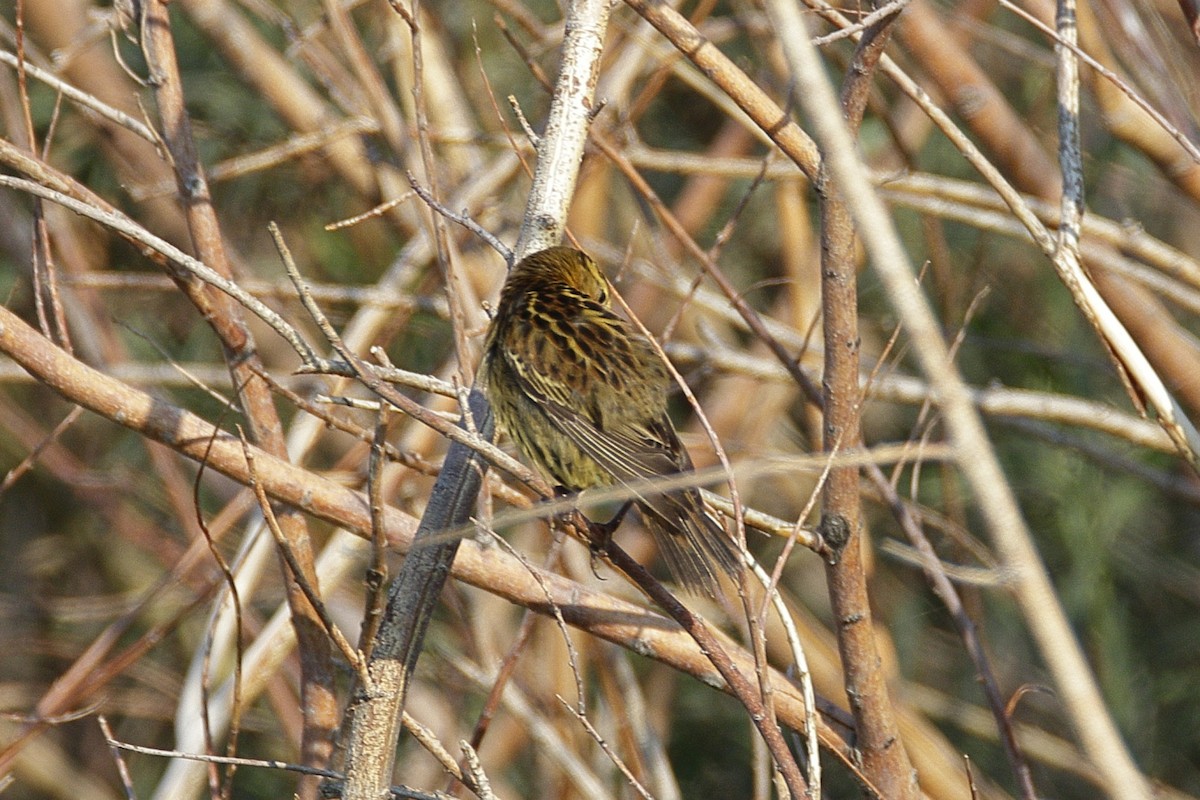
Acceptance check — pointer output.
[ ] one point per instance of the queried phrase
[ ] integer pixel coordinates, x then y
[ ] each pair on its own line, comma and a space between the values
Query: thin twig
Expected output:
880, 14
373, 381
377, 571
235, 601
617, 761
474, 767
799, 660
737, 683
1062, 40
462, 219
127, 227
118, 758
84, 99
402, 792
352, 656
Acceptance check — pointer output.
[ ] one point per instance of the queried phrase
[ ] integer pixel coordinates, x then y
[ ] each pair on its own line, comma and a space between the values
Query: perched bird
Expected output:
585, 398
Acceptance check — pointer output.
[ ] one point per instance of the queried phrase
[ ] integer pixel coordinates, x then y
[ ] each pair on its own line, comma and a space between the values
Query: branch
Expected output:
622, 623
373, 721
884, 754
976, 458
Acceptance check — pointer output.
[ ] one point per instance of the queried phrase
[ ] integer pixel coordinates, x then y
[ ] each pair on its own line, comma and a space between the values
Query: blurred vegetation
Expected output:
94, 516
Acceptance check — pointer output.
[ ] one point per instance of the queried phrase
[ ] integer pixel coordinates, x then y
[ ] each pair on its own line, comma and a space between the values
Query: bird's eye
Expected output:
602, 296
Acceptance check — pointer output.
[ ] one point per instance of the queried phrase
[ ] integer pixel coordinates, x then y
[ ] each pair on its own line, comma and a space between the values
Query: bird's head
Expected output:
564, 265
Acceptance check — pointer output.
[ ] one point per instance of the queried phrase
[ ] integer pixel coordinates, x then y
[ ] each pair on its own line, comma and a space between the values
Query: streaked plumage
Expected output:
585, 398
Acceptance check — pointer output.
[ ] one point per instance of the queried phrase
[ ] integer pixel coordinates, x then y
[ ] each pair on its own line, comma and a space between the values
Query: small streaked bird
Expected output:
585, 398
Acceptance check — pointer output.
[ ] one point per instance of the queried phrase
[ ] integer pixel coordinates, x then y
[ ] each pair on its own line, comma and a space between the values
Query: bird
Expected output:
584, 396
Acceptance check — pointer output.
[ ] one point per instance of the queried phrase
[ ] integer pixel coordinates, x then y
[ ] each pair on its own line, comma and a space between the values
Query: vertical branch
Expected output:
1070, 159
373, 720
377, 569
884, 757
450, 277
976, 458
560, 150
1097, 732
318, 700
41, 257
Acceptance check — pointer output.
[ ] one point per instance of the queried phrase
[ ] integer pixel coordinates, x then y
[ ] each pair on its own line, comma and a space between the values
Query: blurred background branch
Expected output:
694, 191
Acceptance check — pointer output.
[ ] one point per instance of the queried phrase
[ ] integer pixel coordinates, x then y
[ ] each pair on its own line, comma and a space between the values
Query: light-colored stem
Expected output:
1012, 538
560, 149
375, 718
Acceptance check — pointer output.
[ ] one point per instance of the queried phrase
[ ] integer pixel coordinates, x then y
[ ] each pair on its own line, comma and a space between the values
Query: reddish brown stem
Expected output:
741, 688
317, 697
883, 755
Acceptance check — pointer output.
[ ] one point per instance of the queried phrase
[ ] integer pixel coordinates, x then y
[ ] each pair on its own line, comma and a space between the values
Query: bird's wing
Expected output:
695, 546
634, 442
631, 452
631, 439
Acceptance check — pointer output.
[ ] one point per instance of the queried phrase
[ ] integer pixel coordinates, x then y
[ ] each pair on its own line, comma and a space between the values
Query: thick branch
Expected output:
884, 756
374, 721
318, 700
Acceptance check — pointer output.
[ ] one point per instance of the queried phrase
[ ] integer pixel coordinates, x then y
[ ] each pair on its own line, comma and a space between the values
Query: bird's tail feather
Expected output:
695, 547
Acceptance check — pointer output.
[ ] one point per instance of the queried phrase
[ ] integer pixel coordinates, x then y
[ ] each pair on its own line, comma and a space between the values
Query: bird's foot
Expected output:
600, 533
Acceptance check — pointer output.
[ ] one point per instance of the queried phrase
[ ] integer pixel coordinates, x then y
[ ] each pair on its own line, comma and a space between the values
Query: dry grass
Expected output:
116, 546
